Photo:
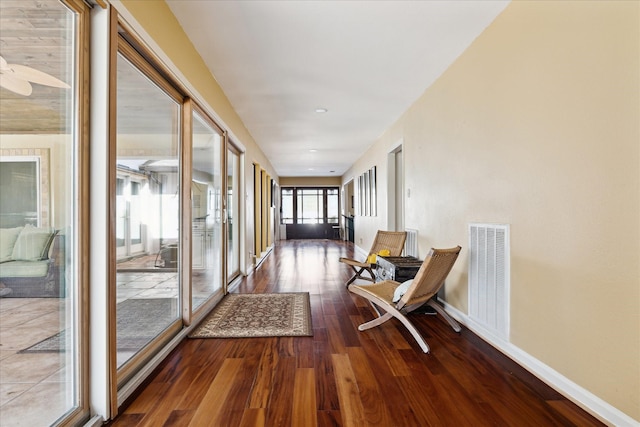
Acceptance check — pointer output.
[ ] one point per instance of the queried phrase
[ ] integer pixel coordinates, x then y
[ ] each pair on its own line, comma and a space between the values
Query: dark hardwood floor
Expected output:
340, 376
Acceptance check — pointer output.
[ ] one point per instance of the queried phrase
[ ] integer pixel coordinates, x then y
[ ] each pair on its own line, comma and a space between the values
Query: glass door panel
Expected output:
233, 211
147, 209
40, 272
206, 210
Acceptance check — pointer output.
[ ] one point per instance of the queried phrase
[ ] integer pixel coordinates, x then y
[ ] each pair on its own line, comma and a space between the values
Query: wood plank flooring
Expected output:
340, 376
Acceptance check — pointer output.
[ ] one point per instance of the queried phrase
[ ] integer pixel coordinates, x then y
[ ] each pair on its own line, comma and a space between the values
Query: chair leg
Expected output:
371, 273
456, 327
409, 308
350, 281
358, 275
416, 335
375, 308
406, 322
375, 322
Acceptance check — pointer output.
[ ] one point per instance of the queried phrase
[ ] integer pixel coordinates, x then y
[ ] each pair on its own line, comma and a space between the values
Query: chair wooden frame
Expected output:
426, 284
393, 241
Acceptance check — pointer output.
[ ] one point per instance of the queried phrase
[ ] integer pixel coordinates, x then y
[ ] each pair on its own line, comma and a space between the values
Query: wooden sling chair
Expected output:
426, 284
392, 241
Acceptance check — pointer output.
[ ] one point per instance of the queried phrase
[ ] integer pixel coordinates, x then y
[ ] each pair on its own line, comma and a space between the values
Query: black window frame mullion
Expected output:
295, 205
322, 196
325, 208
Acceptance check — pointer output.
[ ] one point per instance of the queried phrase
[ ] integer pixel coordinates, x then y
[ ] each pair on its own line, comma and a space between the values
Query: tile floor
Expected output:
40, 381
37, 381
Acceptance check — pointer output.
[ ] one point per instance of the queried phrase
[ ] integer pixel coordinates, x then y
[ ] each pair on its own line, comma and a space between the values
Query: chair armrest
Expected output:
356, 263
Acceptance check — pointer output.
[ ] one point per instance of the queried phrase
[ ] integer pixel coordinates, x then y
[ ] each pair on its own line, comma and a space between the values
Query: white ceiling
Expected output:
366, 62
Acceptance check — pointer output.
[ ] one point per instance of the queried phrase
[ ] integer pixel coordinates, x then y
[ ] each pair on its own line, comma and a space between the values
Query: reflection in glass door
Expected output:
121, 218
135, 217
42, 331
233, 212
129, 226
206, 210
147, 206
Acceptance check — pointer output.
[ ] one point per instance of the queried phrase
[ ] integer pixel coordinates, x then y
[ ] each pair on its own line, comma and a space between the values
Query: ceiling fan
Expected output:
17, 78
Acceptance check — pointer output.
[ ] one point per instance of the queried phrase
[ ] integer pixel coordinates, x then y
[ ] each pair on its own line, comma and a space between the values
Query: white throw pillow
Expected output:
8, 237
32, 243
401, 290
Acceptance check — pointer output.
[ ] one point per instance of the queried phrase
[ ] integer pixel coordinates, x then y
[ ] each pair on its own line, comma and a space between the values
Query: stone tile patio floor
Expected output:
40, 382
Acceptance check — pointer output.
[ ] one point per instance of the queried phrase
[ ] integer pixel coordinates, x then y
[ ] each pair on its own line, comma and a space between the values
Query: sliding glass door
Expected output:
42, 214
169, 185
233, 213
147, 208
206, 209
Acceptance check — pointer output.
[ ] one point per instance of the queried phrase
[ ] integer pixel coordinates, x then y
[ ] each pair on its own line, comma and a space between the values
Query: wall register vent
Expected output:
489, 277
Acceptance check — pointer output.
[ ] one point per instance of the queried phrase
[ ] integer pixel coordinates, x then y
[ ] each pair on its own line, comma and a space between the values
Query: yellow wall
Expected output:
158, 22
537, 125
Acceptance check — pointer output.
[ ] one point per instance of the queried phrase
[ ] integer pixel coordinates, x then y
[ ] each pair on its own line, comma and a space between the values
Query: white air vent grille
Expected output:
411, 243
489, 279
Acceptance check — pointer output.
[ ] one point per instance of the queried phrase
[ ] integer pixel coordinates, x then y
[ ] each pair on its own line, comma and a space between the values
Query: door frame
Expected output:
395, 210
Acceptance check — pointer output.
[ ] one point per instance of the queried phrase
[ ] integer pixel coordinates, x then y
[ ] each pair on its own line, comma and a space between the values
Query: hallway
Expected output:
340, 376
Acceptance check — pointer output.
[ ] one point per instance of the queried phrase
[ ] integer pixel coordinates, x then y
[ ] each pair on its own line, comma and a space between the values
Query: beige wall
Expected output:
159, 23
537, 125
310, 181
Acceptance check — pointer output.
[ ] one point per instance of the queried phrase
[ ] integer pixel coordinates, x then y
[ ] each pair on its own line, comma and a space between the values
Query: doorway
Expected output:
349, 211
395, 189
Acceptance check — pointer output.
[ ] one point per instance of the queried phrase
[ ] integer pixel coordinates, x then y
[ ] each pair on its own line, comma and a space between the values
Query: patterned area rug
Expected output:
138, 322
258, 315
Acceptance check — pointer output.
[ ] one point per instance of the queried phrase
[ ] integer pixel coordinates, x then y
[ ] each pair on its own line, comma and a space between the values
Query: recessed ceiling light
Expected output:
310, 169
313, 150
321, 110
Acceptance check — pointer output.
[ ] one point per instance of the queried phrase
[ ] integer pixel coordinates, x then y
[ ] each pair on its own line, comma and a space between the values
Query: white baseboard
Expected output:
572, 391
362, 252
